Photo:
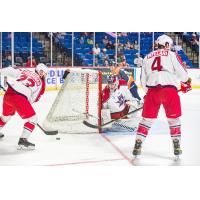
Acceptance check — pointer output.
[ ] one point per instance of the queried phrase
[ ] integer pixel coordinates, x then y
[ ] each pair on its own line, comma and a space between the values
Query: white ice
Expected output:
107, 148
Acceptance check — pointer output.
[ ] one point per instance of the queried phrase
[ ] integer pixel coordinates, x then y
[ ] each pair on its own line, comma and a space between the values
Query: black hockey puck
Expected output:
58, 138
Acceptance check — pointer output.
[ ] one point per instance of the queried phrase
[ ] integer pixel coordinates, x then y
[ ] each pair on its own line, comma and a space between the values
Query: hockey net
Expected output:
78, 99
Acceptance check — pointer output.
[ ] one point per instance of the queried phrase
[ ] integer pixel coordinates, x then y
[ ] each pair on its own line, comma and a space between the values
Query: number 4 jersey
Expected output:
25, 82
162, 68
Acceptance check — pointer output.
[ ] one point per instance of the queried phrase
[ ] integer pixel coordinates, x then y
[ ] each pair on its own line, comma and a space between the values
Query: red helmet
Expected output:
113, 82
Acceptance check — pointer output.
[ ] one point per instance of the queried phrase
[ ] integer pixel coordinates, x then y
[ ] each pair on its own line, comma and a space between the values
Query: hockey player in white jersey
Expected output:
162, 72
24, 88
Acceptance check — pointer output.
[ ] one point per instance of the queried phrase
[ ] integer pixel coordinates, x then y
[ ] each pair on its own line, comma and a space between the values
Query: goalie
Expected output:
117, 99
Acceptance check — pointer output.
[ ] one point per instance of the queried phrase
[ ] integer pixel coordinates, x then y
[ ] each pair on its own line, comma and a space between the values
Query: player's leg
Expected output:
149, 113
134, 91
172, 108
142, 132
26, 133
8, 112
3, 121
175, 132
26, 111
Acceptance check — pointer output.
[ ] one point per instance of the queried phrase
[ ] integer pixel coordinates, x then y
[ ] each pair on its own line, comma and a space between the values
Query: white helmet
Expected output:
163, 39
42, 67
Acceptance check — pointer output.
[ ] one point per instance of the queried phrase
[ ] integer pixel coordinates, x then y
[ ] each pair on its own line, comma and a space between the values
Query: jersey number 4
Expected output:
156, 65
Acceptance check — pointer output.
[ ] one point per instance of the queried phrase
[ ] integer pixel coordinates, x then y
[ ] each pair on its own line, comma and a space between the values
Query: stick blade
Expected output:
47, 132
51, 132
90, 125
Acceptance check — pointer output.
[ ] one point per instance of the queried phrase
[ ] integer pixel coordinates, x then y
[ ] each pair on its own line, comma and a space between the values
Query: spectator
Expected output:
123, 63
90, 41
82, 40
110, 45
96, 62
127, 45
138, 61
120, 57
28, 63
106, 63
8, 61
136, 46
194, 42
103, 56
120, 47
96, 49
105, 40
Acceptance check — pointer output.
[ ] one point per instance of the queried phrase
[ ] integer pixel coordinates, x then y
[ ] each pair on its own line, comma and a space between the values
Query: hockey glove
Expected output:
185, 87
65, 73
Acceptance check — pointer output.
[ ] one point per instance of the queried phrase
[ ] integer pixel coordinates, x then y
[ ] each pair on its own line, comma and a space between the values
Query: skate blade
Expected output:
21, 147
135, 157
177, 158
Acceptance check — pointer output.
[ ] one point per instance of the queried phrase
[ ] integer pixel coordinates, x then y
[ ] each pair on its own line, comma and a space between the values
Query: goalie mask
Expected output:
113, 82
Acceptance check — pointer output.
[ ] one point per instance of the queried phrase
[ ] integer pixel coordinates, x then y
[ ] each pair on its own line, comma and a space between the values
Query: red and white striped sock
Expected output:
143, 128
2, 123
28, 129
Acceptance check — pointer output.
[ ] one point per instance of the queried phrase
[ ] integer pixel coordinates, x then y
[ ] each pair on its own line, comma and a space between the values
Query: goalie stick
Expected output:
114, 120
115, 123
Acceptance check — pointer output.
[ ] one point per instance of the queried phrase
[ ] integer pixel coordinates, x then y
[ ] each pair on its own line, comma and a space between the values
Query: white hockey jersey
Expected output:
162, 67
25, 82
116, 101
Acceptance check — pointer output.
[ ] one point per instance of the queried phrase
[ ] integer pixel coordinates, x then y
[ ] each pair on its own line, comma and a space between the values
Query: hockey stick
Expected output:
115, 123
114, 120
44, 131
47, 132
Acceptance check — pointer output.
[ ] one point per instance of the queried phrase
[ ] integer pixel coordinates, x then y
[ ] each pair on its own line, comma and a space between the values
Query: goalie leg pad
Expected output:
105, 113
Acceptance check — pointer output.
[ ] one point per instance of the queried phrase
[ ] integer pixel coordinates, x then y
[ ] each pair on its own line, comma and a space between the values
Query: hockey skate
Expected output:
177, 149
137, 148
1, 135
24, 144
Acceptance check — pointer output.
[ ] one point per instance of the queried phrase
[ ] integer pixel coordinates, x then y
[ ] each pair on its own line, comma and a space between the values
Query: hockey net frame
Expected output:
68, 124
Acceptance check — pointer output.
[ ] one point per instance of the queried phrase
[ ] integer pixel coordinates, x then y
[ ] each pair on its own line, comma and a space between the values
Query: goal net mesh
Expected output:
78, 99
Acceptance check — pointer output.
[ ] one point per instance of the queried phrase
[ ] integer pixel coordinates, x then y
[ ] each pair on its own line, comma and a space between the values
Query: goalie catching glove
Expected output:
186, 86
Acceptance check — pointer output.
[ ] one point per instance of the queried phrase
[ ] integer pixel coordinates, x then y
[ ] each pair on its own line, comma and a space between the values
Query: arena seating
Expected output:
21, 46
84, 51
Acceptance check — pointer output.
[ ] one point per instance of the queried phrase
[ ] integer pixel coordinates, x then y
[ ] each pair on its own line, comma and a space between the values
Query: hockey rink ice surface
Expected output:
106, 149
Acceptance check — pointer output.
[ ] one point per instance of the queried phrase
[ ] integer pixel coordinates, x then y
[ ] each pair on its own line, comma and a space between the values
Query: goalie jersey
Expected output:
116, 100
